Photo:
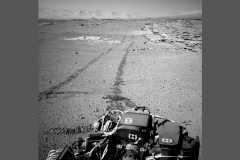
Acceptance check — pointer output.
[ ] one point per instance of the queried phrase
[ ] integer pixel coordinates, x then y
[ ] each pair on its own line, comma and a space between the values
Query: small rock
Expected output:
95, 110
179, 105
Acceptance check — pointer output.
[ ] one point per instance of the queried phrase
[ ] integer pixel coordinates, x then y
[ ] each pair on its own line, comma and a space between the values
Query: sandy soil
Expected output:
116, 64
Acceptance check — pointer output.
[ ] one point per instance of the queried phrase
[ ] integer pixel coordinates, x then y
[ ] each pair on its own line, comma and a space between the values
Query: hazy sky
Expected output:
144, 7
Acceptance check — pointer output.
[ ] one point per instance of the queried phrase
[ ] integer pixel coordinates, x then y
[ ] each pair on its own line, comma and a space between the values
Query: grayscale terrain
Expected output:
89, 66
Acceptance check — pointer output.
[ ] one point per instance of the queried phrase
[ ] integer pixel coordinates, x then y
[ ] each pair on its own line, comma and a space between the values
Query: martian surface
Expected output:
88, 66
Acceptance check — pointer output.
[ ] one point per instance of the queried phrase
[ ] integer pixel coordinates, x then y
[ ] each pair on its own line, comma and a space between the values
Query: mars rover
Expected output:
135, 134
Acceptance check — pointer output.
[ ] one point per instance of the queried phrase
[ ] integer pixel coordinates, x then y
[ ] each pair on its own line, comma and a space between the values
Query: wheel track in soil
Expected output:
49, 93
116, 101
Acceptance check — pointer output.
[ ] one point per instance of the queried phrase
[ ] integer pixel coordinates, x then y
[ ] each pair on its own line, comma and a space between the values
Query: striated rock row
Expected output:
180, 33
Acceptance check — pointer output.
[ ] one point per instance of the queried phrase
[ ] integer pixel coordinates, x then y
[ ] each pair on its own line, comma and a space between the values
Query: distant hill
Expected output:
187, 16
48, 13
93, 18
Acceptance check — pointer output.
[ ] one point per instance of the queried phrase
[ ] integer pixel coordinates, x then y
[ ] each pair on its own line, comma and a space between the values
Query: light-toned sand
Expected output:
115, 65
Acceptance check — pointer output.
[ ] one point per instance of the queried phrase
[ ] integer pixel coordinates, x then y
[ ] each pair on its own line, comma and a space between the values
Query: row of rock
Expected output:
181, 34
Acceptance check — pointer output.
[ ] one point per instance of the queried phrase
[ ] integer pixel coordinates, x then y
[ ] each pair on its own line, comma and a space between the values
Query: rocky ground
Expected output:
89, 66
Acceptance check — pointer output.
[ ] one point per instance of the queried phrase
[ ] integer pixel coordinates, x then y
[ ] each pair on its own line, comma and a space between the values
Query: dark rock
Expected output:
95, 110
